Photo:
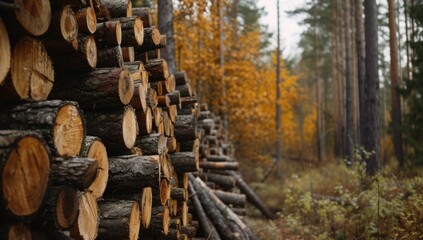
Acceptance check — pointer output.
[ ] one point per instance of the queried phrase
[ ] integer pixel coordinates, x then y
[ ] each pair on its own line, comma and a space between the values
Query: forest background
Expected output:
328, 184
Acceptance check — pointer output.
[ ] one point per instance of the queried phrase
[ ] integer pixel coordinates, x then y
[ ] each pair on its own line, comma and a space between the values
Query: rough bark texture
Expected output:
110, 57
178, 194
234, 199
59, 122
157, 70
139, 100
145, 121
118, 8
145, 14
133, 172
23, 191
185, 161
185, 90
185, 127
153, 144
87, 21
219, 165
225, 182
100, 89
78, 172
151, 41
132, 31
174, 98
63, 30
180, 77
108, 34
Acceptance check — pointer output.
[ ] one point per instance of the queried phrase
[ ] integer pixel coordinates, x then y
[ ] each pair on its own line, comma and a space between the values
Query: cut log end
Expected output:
91, 51
68, 24
5, 53
98, 151
126, 87
155, 36
134, 221
33, 77
68, 131
129, 127
66, 207
24, 189
139, 31
87, 224
164, 191
91, 20
118, 32
34, 16
146, 205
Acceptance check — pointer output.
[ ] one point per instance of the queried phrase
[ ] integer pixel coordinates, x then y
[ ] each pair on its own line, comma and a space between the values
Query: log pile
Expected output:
97, 138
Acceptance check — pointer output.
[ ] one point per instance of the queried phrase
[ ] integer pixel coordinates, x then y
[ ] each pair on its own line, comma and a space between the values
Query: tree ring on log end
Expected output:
134, 221
129, 127
87, 224
164, 191
146, 205
166, 220
91, 20
155, 36
139, 31
68, 131
91, 52
126, 87
68, 24
34, 16
118, 33
25, 176
98, 152
67, 207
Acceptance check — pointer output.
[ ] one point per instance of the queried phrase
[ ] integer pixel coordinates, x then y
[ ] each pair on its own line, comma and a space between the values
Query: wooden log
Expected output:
23, 191
168, 125
108, 34
239, 211
132, 31
15, 231
152, 100
185, 127
128, 54
185, 161
151, 41
190, 231
146, 207
157, 86
104, 88
78, 172
218, 158
225, 182
59, 122
87, 21
171, 144
153, 144
180, 77
178, 194
157, 70
110, 58
163, 101
158, 118
190, 146
174, 98
166, 166
73, 3
145, 121
185, 90
93, 148
31, 78
61, 210
5, 52
118, 8
172, 112
145, 14
172, 83
44, 234
251, 195
84, 59
86, 226
219, 165
139, 100
160, 220
119, 220
161, 195
63, 30
118, 129
32, 17
133, 172
228, 198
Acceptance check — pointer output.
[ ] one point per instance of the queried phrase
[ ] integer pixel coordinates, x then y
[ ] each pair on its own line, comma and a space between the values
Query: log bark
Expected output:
219, 165
119, 220
59, 122
157, 70
171, 144
61, 210
108, 34
161, 195
151, 41
178, 194
30, 78
78, 172
190, 231
139, 100
23, 191
190, 146
33, 17
157, 86
146, 207
218, 158
163, 101
118, 129
185, 90
180, 77
228, 198
87, 21
93, 148
73, 3
160, 220
185, 127
174, 98
145, 121
5, 52
86, 226
128, 54
84, 59
225, 182
152, 100
110, 58
105, 88
153, 144
118, 8
185, 161
15, 231
132, 31
251, 195
133, 172
145, 14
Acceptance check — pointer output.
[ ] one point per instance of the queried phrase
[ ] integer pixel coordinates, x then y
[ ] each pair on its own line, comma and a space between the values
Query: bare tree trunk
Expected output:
361, 55
348, 79
370, 113
318, 95
165, 16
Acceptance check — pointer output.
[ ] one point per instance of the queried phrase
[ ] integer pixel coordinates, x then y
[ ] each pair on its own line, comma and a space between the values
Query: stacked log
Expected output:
103, 134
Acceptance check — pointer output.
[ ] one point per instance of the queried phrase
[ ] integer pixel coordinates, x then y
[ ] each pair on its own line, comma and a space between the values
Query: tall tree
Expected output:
349, 133
395, 99
318, 91
165, 16
370, 112
361, 55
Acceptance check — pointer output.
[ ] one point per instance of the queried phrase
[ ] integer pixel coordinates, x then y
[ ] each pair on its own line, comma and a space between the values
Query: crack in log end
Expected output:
34, 16
68, 131
40, 85
97, 151
126, 87
129, 127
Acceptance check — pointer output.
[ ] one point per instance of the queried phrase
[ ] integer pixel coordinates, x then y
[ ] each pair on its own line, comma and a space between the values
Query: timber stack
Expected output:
98, 139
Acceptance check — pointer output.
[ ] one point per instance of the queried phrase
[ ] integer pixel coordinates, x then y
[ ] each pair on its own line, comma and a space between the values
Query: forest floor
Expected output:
332, 201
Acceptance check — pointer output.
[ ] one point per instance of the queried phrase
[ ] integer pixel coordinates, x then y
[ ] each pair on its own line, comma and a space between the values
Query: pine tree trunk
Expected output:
165, 16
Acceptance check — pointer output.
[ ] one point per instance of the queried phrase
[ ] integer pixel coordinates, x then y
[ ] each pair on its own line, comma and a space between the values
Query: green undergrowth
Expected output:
333, 201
